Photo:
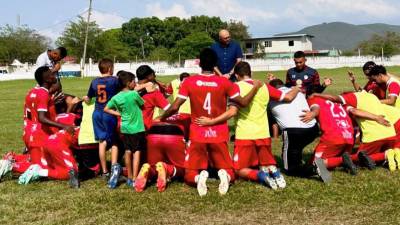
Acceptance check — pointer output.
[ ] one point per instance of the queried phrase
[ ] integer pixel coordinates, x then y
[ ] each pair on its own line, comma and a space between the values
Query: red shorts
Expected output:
34, 136
169, 149
252, 153
329, 150
200, 154
378, 146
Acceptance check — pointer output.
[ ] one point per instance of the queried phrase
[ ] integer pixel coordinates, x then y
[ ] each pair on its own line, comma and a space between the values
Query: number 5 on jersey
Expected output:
207, 103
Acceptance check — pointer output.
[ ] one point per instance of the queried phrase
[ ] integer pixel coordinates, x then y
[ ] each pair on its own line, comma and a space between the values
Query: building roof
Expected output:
280, 37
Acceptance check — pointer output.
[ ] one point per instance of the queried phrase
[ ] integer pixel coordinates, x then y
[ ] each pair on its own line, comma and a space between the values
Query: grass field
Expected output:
372, 197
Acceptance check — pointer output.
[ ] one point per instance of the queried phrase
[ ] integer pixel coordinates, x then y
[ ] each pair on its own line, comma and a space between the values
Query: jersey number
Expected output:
207, 103
101, 93
342, 112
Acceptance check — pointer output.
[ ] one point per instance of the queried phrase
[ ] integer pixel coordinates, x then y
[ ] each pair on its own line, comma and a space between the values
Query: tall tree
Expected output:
238, 31
21, 43
73, 38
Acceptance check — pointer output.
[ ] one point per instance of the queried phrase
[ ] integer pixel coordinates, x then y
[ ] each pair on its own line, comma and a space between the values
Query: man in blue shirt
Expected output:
229, 54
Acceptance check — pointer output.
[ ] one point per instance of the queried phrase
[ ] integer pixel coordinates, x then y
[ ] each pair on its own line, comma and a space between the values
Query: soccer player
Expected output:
379, 75
308, 76
103, 88
126, 104
208, 95
153, 99
379, 90
337, 138
61, 164
377, 137
253, 149
37, 124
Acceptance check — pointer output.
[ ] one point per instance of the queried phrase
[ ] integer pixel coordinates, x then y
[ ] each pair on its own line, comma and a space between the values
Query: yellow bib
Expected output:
252, 121
371, 130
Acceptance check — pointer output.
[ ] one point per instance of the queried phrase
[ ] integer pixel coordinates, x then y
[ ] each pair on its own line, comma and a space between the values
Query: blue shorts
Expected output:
104, 126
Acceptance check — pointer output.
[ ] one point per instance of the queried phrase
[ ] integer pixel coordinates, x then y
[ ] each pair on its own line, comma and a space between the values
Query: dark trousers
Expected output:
294, 141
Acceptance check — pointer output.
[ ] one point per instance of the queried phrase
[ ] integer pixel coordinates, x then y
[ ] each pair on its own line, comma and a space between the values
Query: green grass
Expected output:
372, 197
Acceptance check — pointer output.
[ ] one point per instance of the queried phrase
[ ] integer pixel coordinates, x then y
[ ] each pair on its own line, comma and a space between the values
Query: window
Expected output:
268, 44
249, 45
291, 43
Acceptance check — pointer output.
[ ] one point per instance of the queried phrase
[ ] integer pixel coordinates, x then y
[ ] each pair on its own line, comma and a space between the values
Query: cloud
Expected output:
155, 9
106, 20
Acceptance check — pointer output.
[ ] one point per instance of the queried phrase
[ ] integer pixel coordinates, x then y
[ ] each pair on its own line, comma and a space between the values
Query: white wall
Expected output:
282, 45
163, 68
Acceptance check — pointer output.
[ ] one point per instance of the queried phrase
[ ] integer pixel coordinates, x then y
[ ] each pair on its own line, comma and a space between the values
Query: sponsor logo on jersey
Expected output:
206, 84
210, 133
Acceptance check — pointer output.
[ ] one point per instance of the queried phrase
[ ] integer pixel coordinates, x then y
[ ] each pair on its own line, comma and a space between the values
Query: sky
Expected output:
264, 17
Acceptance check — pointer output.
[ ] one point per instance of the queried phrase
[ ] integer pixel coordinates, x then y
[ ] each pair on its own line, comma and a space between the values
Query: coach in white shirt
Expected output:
296, 134
52, 58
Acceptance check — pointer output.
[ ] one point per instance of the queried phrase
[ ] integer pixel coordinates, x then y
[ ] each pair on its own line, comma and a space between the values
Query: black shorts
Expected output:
134, 142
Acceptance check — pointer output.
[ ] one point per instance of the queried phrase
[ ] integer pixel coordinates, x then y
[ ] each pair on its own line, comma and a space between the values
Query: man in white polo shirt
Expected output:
296, 134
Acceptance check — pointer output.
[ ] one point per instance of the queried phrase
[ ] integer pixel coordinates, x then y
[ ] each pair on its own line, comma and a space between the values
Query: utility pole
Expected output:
141, 41
86, 36
18, 20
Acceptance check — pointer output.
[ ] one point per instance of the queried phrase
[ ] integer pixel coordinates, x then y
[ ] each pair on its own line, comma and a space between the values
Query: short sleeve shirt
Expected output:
208, 96
151, 101
103, 89
44, 60
227, 55
129, 104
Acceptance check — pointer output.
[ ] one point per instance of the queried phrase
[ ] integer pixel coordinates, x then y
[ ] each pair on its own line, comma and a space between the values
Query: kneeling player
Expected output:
377, 136
165, 156
337, 139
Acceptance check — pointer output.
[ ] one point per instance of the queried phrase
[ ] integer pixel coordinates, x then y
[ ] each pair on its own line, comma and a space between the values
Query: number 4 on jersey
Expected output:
207, 103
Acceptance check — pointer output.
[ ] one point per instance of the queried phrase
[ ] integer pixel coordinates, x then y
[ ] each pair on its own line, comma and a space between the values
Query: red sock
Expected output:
21, 167
59, 174
190, 176
231, 174
378, 157
354, 157
251, 175
333, 162
169, 169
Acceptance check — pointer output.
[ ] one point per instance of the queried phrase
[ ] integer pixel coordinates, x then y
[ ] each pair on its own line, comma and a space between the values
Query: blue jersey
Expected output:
308, 76
103, 88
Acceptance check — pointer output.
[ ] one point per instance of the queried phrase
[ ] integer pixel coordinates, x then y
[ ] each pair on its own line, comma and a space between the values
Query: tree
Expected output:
390, 43
73, 38
160, 54
190, 46
209, 25
239, 32
21, 43
110, 45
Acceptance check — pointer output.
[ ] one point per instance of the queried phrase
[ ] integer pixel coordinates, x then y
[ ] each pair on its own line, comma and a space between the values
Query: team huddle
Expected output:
187, 140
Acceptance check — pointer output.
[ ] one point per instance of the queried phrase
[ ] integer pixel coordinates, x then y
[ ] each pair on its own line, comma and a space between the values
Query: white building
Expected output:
280, 44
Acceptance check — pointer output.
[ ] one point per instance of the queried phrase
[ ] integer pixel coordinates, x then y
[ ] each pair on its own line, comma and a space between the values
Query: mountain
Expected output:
343, 36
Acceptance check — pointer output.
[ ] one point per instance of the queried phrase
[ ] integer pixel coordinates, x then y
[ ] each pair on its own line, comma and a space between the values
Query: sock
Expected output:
252, 175
170, 169
378, 157
333, 162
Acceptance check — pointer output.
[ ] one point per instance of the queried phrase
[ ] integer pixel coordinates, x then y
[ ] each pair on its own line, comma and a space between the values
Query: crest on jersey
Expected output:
306, 77
293, 76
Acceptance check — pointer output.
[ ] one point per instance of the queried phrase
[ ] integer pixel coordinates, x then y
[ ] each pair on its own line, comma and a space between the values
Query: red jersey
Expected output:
152, 100
335, 123
66, 118
378, 90
393, 87
37, 100
208, 97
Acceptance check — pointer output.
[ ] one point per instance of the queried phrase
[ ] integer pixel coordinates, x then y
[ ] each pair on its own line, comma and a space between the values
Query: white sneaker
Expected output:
201, 183
264, 176
278, 177
224, 181
5, 167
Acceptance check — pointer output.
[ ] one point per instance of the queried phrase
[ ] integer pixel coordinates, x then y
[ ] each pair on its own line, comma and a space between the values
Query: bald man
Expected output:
229, 54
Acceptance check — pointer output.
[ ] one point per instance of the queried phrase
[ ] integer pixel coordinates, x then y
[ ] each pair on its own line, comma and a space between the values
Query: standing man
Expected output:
229, 54
52, 59
306, 76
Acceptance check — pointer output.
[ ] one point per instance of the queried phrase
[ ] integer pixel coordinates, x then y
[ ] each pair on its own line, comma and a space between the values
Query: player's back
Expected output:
335, 123
208, 94
103, 88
